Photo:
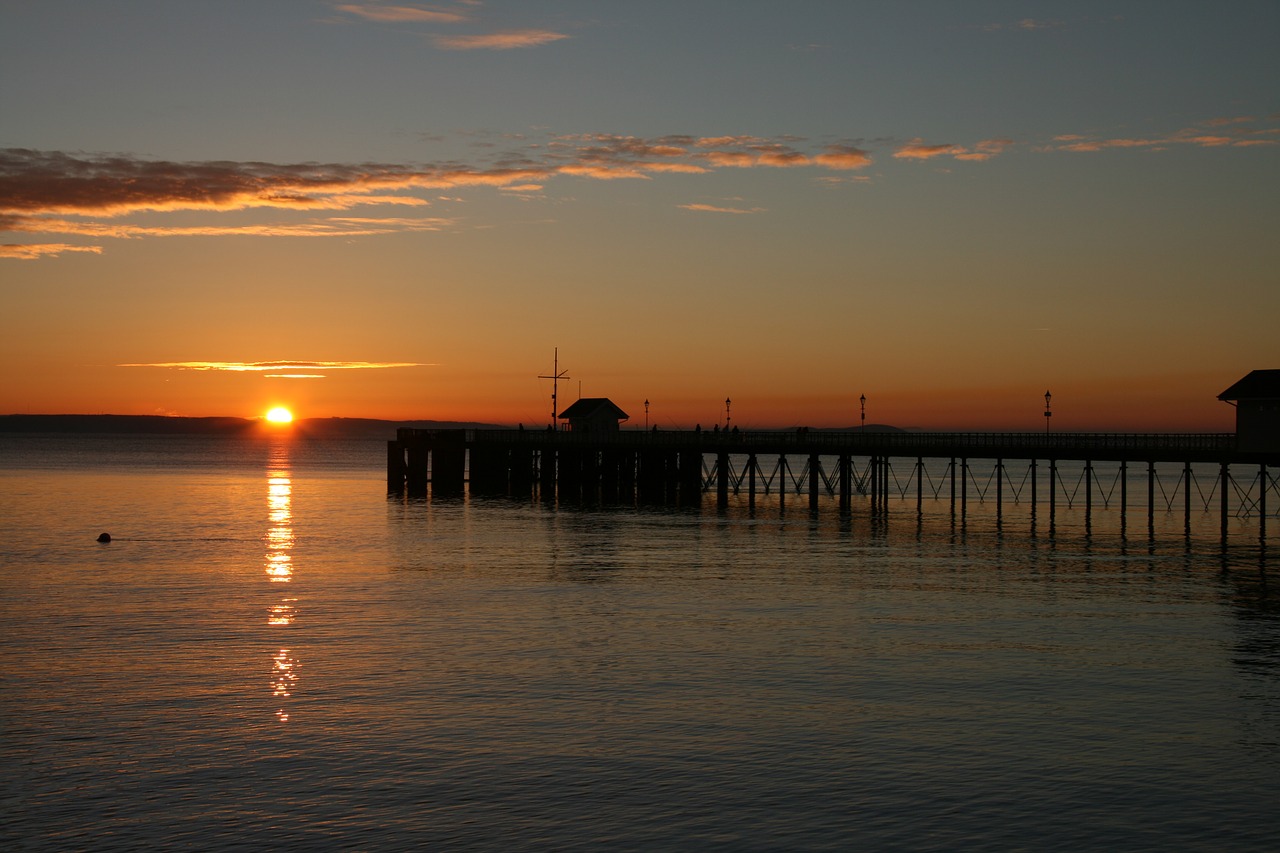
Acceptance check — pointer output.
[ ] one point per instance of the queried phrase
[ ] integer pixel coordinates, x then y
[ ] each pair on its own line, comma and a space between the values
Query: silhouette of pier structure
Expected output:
879, 472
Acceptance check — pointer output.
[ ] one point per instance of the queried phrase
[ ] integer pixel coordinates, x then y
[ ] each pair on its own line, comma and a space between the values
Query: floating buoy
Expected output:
104, 537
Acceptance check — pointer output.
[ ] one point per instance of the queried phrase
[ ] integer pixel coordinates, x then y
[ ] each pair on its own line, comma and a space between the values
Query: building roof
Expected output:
594, 407
1258, 385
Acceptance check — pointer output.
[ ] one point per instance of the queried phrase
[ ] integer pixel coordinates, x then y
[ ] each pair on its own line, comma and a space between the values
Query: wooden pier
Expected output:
680, 467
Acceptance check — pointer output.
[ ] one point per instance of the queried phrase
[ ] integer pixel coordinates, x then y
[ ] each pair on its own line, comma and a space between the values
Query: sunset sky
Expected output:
399, 211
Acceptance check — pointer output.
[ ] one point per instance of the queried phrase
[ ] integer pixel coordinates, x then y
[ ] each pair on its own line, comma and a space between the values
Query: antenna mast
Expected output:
556, 375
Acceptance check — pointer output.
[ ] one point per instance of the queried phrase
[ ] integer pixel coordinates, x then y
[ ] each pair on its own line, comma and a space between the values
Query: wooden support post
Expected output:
846, 488
884, 484
547, 464
522, 469
689, 487
952, 469
1224, 482
1151, 500
628, 464
751, 480
722, 479
395, 467
1186, 499
1053, 495
419, 469
449, 464
1034, 475
489, 466
1124, 495
999, 492
1262, 510
1088, 495
815, 480
964, 488
919, 486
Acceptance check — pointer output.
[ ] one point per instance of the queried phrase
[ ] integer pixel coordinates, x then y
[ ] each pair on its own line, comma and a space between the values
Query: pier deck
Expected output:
680, 466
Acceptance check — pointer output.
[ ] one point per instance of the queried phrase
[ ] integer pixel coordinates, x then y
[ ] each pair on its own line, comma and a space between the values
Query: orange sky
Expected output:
401, 211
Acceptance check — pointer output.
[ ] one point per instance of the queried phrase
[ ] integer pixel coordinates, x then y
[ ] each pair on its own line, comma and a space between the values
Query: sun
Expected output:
280, 415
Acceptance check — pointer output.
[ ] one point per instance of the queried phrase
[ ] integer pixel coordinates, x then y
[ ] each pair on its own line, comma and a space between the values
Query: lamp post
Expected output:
727, 401
646, 414
863, 401
1047, 414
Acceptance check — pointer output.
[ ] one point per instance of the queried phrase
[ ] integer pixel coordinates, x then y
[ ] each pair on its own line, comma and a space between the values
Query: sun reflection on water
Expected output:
279, 569
279, 563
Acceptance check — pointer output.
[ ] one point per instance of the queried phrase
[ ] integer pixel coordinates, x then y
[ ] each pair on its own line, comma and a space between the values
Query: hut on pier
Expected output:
1256, 398
594, 415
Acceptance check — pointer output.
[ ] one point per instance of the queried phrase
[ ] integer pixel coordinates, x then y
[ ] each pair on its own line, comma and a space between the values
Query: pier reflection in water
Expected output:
279, 569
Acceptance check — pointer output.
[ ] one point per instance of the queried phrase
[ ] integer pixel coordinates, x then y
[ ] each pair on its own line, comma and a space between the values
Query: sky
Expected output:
405, 210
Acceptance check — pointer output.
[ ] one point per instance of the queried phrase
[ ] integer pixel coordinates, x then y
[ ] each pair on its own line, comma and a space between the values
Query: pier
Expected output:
881, 472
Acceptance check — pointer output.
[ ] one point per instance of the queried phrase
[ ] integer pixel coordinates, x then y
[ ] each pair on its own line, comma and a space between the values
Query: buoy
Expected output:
104, 537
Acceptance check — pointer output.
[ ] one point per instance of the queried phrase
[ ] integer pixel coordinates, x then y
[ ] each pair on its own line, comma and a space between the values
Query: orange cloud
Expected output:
505, 40
33, 251
711, 208
985, 149
1232, 132
92, 196
917, 150
384, 13
843, 157
335, 227
733, 159
266, 366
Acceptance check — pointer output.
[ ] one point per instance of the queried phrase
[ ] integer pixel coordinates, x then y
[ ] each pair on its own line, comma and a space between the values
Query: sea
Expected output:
272, 652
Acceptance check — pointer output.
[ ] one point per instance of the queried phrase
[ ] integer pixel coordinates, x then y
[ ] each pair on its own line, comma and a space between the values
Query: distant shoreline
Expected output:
165, 425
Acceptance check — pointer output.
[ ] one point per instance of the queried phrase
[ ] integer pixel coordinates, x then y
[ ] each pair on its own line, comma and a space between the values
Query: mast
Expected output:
555, 377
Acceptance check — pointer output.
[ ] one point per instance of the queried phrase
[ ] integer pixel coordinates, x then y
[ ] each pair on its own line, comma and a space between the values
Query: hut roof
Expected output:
594, 407
1257, 385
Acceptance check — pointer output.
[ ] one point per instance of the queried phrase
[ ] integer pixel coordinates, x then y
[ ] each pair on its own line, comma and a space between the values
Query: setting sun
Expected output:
279, 415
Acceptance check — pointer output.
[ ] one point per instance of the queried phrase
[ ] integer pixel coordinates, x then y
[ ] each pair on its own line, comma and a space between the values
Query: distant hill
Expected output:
161, 425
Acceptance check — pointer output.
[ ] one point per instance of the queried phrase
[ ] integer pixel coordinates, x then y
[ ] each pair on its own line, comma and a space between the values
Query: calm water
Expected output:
273, 654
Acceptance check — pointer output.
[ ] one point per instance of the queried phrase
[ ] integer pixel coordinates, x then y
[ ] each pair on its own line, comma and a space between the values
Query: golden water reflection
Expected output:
280, 513
279, 568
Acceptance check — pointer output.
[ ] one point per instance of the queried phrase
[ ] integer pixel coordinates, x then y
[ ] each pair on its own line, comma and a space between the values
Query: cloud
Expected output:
53, 182
843, 157
1223, 121
97, 197
272, 368
33, 251
505, 40
711, 208
334, 227
985, 149
833, 181
385, 13
917, 150
1228, 133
